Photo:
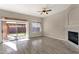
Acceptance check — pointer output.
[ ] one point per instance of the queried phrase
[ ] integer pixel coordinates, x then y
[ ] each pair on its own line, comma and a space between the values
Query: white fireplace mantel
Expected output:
74, 28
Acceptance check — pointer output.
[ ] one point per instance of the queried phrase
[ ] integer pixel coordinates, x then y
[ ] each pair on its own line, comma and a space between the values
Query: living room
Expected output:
39, 28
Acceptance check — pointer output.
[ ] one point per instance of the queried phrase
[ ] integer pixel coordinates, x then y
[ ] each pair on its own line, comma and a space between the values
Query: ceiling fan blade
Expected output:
49, 10
46, 12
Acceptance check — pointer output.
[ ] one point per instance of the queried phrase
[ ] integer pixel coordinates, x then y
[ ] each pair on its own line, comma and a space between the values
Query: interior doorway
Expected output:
14, 30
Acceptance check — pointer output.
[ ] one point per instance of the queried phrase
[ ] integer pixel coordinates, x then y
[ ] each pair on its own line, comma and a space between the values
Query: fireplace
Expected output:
73, 37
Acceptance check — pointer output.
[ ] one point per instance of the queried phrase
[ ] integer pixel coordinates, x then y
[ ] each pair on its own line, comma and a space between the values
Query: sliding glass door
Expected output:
14, 30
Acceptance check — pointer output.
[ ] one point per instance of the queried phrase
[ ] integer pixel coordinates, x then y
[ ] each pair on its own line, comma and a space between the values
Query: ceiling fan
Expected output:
45, 11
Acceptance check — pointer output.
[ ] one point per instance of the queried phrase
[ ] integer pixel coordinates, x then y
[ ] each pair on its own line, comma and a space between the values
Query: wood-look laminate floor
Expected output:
38, 45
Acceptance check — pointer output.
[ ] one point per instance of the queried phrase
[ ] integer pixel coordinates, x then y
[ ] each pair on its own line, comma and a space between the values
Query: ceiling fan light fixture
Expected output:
45, 11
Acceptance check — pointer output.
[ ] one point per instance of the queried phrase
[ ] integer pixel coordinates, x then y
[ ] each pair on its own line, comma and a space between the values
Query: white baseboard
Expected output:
54, 37
67, 42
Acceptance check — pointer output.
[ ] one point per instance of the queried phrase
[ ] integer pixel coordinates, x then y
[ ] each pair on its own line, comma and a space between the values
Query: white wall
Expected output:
54, 25
74, 16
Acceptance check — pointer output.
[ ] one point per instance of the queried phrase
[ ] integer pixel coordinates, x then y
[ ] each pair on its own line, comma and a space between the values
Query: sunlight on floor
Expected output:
23, 39
11, 45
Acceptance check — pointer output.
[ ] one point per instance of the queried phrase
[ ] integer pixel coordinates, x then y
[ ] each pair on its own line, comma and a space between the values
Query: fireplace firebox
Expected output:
73, 37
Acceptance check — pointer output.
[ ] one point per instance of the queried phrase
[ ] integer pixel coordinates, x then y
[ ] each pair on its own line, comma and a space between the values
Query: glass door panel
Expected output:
9, 31
12, 32
21, 31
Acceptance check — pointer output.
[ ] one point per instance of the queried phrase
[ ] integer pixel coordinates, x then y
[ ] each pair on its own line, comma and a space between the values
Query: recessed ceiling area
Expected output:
32, 9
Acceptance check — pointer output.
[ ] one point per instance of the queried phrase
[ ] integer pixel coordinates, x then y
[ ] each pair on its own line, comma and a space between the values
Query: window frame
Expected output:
32, 27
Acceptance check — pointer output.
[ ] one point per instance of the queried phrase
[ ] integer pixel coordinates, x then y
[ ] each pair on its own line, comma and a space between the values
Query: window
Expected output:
36, 27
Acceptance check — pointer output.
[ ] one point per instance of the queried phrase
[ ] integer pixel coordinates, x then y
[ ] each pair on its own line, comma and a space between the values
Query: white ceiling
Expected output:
32, 9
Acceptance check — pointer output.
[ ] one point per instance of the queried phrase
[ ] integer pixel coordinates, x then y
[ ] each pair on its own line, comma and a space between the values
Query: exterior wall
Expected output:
29, 19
